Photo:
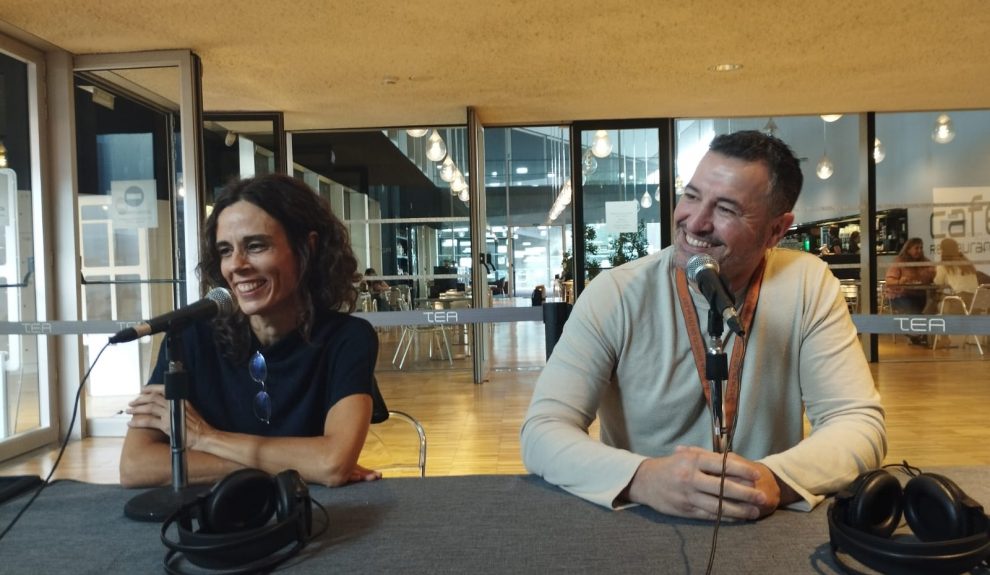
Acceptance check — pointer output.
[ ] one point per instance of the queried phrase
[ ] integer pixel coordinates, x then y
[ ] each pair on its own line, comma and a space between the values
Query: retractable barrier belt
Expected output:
879, 324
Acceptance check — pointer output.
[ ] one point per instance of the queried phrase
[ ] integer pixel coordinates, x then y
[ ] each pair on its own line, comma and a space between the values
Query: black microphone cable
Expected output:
721, 488
61, 451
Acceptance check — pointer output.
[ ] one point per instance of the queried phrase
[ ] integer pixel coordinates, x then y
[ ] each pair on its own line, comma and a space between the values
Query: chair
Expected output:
980, 304
438, 336
380, 413
850, 290
953, 304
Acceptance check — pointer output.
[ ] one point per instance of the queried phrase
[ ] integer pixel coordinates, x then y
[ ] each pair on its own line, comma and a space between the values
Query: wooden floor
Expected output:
937, 402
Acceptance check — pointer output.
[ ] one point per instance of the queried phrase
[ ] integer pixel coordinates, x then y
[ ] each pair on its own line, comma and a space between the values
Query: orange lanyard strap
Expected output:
698, 348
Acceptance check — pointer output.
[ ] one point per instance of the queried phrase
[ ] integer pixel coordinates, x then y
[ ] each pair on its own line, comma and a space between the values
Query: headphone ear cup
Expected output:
933, 507
292, 496
243, 500
873, 503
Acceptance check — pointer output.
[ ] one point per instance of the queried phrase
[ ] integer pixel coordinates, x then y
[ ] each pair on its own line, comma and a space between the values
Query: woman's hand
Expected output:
151, 410
359, 474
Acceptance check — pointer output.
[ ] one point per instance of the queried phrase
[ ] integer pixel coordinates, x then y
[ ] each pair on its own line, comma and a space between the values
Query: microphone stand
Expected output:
158, 503
716, 372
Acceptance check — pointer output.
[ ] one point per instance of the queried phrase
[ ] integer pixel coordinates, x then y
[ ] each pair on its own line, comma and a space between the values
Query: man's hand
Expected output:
686, 484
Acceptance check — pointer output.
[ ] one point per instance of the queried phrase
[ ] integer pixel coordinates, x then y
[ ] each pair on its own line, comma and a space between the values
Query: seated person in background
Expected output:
377, 288
625, 356
956, 272
287, 261
854, 243
908, 300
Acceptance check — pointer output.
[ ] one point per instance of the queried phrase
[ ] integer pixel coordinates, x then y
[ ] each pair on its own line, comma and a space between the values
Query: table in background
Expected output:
469, 524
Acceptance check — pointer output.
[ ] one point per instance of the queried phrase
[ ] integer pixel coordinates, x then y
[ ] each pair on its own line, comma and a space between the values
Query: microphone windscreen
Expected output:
223, 299
699, 262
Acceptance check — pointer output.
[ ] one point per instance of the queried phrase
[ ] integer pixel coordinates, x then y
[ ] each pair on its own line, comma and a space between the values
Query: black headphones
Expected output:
234, 528
951, 530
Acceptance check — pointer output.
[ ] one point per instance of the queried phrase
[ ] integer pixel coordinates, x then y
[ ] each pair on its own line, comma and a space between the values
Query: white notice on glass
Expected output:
135, 204
620, 217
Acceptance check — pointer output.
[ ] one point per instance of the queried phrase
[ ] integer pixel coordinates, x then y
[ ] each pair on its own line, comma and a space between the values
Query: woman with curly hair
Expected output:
285, 381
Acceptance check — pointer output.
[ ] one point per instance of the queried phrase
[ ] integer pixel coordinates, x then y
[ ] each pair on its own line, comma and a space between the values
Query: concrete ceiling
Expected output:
353, 63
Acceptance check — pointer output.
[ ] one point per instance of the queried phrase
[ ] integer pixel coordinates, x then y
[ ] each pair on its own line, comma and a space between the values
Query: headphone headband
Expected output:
951, 526
234, 523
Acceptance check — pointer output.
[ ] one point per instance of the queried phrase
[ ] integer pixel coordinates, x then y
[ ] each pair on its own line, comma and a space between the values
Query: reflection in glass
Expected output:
944, 131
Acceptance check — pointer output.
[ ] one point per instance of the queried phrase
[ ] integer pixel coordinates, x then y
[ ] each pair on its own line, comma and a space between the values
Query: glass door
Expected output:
26, 382
139, 201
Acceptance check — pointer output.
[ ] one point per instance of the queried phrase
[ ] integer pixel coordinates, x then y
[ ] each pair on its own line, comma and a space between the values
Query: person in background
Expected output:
955, 271
625, 358
377, 288
286, 381
907, 280
854, 242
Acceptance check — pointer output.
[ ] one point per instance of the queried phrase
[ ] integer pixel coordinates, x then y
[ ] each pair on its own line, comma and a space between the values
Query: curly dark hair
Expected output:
786, 178
327, 273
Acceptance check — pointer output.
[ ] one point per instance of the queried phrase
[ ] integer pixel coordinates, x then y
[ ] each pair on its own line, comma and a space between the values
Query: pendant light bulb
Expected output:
831, 117
589, 164
646, 201
464, 196
944, 131
825, 168
602, 145
656, 194
417, 132
3, 155
458, 184
448, 169
771, 128
879, 152
435, 148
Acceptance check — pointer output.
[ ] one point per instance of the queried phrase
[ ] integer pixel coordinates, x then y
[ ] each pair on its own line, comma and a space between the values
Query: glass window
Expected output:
931, 170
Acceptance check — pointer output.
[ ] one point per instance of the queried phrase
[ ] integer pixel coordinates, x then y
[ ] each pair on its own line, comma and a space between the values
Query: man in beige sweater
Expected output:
626, 357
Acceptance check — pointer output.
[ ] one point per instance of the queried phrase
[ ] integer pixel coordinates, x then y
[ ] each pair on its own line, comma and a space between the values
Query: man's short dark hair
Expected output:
786, 178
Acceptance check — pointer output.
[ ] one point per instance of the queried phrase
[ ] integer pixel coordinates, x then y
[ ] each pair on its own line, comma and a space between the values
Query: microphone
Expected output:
216, 302
703, 270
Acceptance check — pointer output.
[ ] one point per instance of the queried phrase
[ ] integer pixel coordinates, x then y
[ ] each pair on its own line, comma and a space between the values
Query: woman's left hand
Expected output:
151, 410
360, 473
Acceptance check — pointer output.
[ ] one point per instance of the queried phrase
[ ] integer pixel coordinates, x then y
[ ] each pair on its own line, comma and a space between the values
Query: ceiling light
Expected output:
589, 164
825, 168
831, 117
464, 196
602, 145
435, 148
726, 67
771, 128
879, 153
448, 169
944, 132
417, 132
646, 201
230, 139
3, 155
458, 184
522, 170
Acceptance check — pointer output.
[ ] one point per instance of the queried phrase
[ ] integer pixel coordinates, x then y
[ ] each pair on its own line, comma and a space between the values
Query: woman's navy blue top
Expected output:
305, 379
